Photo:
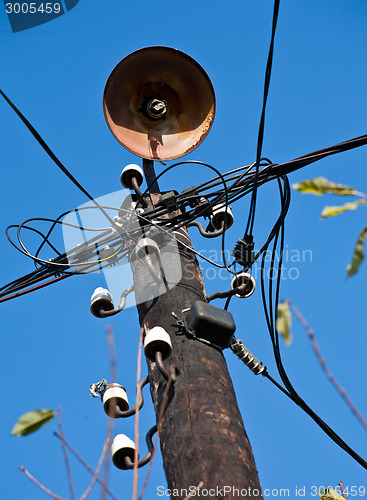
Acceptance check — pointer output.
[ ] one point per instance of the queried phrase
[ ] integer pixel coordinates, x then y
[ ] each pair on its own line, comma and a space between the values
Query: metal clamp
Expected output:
246, 356
97, 390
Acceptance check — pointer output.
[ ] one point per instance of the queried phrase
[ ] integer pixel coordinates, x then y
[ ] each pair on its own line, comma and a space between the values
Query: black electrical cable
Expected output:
273, 381
28, 254
44, 238
19, 291
212, 203
270, 319
241, 187
260, 138
50, 153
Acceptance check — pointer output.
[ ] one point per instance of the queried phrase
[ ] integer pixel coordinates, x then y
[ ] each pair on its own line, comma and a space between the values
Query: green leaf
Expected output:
284, 321
321, 185
331, 211
358, 255
31, 421
330, 494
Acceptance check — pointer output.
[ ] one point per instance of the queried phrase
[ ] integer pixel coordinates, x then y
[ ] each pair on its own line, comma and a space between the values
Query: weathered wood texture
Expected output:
202, 434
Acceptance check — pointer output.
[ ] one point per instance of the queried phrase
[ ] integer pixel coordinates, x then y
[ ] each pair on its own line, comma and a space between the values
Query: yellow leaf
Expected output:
331, 211
358, 255
330, 494
284, 321
321, 185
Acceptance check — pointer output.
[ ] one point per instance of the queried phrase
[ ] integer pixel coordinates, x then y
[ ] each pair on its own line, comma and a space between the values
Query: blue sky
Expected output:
53, 349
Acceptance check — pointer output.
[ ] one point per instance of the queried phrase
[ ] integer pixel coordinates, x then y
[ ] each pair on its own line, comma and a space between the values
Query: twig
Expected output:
112, 353
37, 483
193, 492
107, 463
136, 454
89, 469
66, 458
159, 422
341, 487
110, 422
98, 468
324, 366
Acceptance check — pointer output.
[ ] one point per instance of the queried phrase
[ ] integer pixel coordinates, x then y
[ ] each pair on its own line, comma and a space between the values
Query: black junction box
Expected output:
211, 323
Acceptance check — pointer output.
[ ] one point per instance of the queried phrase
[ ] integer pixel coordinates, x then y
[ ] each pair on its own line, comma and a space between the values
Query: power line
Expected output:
260, 138
50, 153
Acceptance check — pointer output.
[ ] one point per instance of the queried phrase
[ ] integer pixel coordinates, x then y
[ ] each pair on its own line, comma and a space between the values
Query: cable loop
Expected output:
140, 402
148, 438
204, 233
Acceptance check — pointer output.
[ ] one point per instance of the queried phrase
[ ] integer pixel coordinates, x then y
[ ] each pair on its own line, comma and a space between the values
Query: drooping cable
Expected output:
270, 313
50, 153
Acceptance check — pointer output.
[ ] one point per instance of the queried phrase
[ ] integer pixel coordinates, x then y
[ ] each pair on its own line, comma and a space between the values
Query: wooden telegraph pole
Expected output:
202, 435
159, 103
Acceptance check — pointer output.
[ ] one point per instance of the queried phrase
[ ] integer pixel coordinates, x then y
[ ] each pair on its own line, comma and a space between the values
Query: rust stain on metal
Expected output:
165, 74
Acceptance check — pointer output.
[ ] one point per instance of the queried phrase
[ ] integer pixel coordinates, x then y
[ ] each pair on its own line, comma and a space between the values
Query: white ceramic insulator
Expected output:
130, 171
157, 339
144, 246
101, 296
121, 447
243, 278
117, 393
221, 213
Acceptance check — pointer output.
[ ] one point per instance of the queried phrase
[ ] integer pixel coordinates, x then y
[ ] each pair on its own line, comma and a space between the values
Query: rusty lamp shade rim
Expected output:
176, 86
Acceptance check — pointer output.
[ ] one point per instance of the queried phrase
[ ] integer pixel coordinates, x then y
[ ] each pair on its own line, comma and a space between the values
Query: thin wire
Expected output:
50, 153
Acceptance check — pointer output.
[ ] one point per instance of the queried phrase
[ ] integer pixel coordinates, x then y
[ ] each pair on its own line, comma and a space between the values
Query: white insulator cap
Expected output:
239, 280
128, 173
114, 395
144, 246
101, 299
220, 214
122, 447
157, 339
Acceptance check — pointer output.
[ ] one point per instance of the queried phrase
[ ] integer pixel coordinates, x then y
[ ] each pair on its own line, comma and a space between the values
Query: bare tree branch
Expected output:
161, 413
89, 469
98, 468
112, 353
110, 422
341, 487
37, 483
326, 370
136, 454
66, 458
194, 492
